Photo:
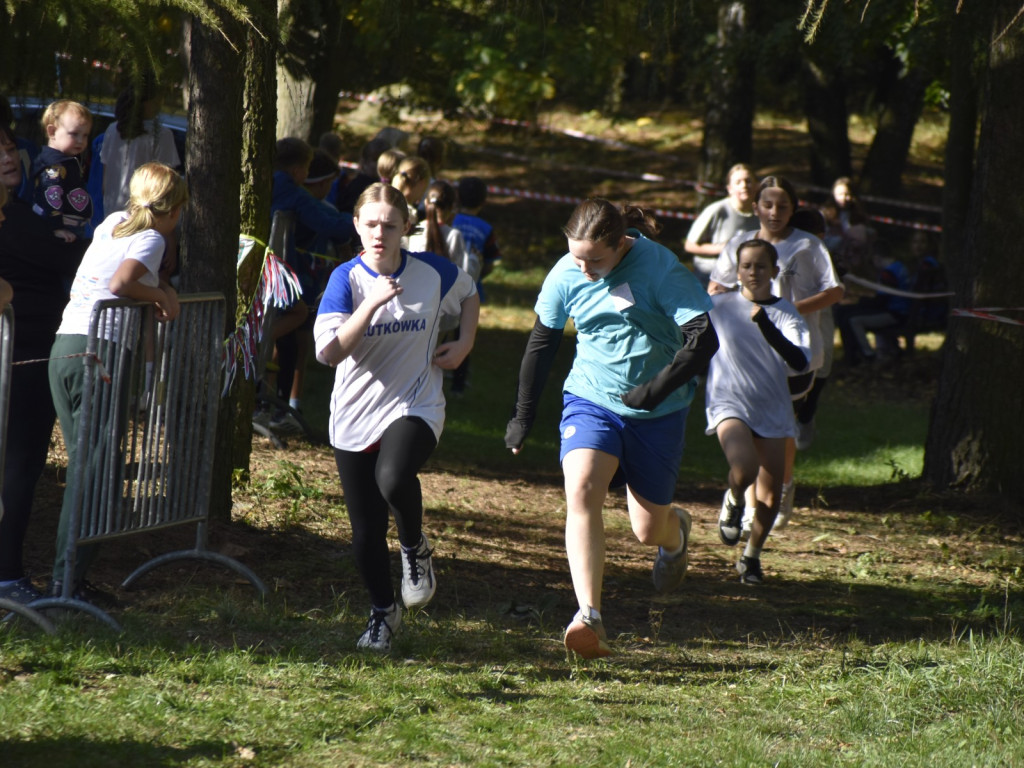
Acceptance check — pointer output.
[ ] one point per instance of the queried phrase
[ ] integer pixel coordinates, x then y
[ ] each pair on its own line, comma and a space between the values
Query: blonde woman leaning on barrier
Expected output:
122, 262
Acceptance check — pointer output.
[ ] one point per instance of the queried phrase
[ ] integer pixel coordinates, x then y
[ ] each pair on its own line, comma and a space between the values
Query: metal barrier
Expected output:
145, 455
6, 350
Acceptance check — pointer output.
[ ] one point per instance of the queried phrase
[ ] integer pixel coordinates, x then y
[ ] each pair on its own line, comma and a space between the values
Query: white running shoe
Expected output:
669, 572
418, 583
785, 506
380, 629
586, 637
748, 521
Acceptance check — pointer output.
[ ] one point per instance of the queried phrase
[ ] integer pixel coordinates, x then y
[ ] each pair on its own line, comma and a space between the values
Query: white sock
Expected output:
294, 402
752, 552
589, 613
674, 552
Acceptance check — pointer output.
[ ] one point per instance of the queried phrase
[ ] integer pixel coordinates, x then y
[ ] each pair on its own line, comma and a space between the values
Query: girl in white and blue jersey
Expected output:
643, 333
378, 324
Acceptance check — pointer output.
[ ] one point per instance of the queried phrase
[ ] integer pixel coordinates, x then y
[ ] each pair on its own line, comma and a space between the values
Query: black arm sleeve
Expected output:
538, 358
790, 352
700, 342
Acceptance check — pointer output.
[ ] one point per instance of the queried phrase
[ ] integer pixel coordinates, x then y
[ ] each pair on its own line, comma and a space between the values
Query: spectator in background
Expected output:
58, 173
38, 267
721, 220
387, 164
133, 139
412, 179
366, 176
476, 231
292, 162
27, 151
875, 313
331, 143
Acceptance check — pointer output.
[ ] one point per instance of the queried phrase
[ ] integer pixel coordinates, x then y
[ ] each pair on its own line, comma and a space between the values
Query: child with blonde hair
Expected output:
411, 179
123, 261
59, 179
387, 164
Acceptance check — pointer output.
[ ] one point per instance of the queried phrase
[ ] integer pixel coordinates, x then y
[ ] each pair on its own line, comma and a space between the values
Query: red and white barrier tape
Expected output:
988, 313
99, 363
889, 290
526, 194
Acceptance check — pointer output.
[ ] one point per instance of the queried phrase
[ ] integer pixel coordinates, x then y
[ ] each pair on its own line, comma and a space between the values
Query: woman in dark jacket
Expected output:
39, 267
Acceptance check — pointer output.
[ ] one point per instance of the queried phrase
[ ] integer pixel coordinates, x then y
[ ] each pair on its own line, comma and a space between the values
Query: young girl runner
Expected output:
123, 261
643, 333
806, 279
378, 323
763, 338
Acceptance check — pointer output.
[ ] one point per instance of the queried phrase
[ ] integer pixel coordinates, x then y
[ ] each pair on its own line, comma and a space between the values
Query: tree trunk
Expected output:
729, 114
883, 169
210, 233
329, 75
973, 442
257, 162
825, 108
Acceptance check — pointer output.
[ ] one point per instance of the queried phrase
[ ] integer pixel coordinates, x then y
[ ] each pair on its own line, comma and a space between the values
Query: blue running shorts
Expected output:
649, 450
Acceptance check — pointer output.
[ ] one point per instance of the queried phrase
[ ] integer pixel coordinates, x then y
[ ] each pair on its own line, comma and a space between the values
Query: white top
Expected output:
718, 222
121, 158
458, 254
747, 379
104, 255
805, 269
390, 373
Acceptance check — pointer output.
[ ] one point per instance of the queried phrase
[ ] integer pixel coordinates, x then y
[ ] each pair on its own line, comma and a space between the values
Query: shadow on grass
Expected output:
84, 752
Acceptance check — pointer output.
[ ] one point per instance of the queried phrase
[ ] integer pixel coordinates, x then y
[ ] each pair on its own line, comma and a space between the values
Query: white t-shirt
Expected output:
747, 379
716, 224
390, 373
104, 255
805, 269
121, 158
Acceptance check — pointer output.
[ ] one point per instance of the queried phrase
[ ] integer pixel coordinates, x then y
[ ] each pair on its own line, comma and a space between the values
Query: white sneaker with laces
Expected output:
418, 582
380, 629
669, 572
785, 506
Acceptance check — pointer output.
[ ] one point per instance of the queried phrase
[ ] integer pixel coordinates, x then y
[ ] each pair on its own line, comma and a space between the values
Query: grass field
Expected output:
887, 634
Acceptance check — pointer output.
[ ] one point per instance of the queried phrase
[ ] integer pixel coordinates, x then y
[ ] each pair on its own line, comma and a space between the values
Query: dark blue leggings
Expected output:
382, 482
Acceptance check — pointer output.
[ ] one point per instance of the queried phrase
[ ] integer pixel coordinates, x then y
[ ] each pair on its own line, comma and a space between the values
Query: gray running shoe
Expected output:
380, 629
669, 572
586, 637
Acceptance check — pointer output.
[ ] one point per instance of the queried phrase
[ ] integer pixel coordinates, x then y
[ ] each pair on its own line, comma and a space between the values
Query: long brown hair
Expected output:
600, 221
440, 200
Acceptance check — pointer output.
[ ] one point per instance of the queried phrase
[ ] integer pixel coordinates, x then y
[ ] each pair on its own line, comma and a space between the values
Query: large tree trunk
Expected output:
210, 241
257, 162
327, 71
826, 112
729, 114
883, 169
973, 440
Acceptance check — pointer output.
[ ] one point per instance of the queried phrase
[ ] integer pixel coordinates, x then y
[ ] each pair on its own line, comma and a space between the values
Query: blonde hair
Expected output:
387, 164
155, 190
411, 171
55, 111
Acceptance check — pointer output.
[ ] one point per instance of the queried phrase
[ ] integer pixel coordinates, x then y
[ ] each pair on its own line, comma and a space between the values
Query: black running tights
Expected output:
380, 482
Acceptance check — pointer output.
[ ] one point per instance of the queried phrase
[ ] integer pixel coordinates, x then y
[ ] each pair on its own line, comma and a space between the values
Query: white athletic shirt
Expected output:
390, 373
101, 260
716, 224
805, 269
747, 379
121, 158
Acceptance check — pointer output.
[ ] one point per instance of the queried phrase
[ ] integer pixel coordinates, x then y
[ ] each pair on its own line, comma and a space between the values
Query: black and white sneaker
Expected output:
730, 520
380, 629
418, 583
749, 569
